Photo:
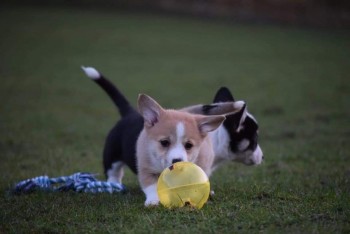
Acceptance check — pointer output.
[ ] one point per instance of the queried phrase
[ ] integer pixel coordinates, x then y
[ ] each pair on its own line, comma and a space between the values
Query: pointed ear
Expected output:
209, 123
223, 95
149, 109
241, 116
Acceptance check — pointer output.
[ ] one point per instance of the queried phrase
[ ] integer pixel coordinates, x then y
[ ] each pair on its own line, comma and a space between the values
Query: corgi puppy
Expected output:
171, 136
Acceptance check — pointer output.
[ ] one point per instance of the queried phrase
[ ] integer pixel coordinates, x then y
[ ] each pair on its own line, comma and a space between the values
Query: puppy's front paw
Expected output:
152, 198
149, 203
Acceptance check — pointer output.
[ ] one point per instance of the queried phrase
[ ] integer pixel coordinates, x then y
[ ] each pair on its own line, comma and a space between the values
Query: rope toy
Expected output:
78, 182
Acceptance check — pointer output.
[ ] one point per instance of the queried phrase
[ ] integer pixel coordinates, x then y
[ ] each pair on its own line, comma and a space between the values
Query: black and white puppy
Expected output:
235, 140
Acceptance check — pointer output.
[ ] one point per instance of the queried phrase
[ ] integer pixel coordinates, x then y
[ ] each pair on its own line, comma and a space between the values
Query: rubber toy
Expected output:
183, 183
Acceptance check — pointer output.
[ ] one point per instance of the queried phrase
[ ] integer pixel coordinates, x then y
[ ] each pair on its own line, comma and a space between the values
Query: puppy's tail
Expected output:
119, 99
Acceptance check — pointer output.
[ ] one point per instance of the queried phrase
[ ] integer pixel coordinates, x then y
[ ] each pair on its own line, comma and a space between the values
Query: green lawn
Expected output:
53, 120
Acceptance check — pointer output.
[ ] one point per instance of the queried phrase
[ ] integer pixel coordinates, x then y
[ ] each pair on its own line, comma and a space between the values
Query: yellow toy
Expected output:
183, 183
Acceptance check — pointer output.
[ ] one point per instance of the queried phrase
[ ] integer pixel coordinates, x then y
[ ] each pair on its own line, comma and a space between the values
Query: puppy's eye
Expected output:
188, 145
164, 143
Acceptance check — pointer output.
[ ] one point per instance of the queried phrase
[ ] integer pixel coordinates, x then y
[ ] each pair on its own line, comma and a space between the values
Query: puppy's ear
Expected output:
223, 95
241, 115
209, 123
149, 109
222, 108
235, 121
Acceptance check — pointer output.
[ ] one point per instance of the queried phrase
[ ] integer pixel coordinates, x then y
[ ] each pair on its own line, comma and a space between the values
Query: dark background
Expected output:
320, 13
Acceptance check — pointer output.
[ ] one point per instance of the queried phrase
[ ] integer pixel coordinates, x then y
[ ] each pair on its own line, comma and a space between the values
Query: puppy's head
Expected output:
242, 129
172, 135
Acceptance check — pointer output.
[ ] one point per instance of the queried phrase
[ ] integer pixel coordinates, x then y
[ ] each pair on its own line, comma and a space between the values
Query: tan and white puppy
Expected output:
170, 136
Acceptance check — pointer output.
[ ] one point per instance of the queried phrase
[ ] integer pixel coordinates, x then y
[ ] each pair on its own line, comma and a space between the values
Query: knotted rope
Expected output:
78, 182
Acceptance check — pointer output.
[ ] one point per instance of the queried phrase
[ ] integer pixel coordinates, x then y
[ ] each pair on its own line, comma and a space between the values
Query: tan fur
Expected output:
160, 124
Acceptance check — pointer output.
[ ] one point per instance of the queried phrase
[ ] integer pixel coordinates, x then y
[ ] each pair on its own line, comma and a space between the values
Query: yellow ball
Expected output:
183, 183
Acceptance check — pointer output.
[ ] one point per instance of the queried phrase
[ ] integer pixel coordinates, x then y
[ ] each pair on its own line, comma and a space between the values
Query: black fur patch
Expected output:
207, 108
223, 95
248, 131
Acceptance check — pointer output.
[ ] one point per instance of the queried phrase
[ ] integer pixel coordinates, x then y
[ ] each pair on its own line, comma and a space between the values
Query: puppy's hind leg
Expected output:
116, 172
112, 159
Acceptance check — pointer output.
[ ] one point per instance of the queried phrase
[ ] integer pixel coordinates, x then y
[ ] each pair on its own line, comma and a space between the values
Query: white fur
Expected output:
180, 131
250, 157
158, 163
220, 140
91, 72
244, 116
178, 151
243, 145
238, 104
116, 173
258, 155
151, 195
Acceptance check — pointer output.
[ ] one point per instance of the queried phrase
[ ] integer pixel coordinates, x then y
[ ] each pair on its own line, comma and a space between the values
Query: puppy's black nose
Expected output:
263, 157
176, 160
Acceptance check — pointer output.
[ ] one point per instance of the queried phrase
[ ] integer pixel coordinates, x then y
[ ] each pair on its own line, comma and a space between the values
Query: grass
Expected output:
53, 120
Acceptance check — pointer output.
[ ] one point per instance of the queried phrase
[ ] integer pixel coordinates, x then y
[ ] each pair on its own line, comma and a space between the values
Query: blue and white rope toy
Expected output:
78, 182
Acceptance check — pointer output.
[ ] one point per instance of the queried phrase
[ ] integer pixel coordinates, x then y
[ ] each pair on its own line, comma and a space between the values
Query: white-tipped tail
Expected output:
91, 72
239, 104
